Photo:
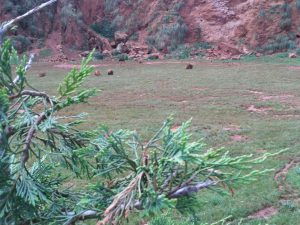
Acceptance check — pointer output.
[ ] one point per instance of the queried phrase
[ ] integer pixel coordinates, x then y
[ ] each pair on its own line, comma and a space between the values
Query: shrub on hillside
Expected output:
21, 43
298, 4
182, 52
8, 6
280, 43
110, 5
115, 52
134, 37
104, 28
286, 17
169, 36
99, 55
285, 24
16, 8
202, 45
69, 12
122, 57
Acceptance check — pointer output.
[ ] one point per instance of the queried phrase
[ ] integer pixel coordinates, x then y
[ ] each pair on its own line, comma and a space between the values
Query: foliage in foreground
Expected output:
39, 145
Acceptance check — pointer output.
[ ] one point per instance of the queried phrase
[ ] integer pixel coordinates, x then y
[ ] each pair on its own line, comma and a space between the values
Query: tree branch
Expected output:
85, 215
4, 28
30, 93
187, 190
29, 137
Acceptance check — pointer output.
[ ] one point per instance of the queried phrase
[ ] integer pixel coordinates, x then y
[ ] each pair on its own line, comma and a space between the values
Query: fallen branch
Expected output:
122, 202
85, 215
187, 190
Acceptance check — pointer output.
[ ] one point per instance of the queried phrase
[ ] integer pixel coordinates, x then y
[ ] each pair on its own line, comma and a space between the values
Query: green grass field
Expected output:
247, 107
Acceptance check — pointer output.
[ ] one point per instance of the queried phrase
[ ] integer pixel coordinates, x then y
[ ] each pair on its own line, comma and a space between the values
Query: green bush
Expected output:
8, 6
133, 23
35, 31
286, 17
262, 14
280, 43
298, 4
99, 55
169, 36
21, 43
104, 28
182, 52
134, 37
115, 52
202, 45
117, 22
287, 10
198, 33
69, 12
178, 6
110, 5
45, 53
285, 24
122, 57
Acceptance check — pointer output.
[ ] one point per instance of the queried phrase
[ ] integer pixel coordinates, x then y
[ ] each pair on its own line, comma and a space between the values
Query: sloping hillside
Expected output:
215, 28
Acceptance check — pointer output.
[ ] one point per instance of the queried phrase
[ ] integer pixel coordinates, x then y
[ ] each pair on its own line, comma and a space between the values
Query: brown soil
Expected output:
232, 128
262, 110
238, 138
283, 98
288, 192
290, 101
280, 178
294, 68
264, 213
278, 98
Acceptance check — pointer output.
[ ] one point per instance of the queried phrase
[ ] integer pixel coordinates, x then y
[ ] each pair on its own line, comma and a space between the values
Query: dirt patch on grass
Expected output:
280, 176
294, 67
256, 92
262, 110
282, 98
261, 151
288, 116
277, 98
288, 193
199, 88
73, 66
264, 213
232, 128
238, 138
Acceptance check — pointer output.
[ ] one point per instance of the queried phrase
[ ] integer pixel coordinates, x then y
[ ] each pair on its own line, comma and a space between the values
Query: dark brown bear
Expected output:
189, 66
110, 72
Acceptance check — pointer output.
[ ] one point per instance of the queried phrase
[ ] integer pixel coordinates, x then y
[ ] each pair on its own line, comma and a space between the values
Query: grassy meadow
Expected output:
248, 107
